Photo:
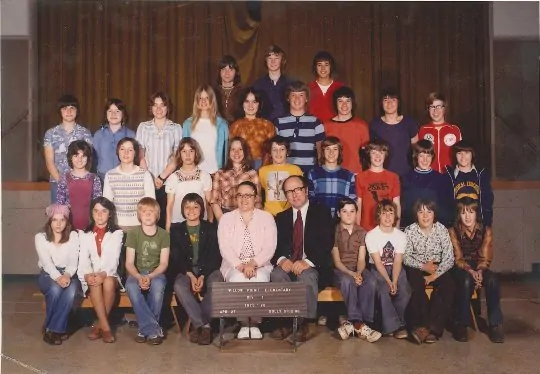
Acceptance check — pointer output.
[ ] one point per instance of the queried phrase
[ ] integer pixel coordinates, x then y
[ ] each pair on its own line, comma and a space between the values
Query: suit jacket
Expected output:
319, 231
181, 256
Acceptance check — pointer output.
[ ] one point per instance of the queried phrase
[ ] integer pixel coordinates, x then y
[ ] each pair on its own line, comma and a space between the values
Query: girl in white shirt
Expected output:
57, 247
100, 249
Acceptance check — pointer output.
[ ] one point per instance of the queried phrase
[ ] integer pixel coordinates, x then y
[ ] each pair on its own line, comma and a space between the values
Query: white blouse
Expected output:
51, 257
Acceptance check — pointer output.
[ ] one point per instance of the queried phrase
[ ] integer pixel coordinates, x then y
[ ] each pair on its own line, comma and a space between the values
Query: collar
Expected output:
303, 211
99, 230
463, 231
151, 123
355, 229
457, 171
423, 171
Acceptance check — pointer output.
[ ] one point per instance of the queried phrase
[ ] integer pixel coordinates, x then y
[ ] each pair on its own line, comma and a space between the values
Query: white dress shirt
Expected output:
303, 213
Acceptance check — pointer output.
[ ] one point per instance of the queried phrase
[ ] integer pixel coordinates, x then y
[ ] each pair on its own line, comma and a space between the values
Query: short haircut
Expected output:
301, 178
121, 107
276, 50
243, 97
230, 61
297, 86
376, 145
136, 148
466, 204
249, 184
429, 204
322, 56
279, 140
148, 202
107, 204
68, 100
346, 92
193, 144
346, 201
75, 147
391, 93
192, 197
433, 96
463, 146
328, 141
49, 234
422, 146
166, 101
386, 206
247, 163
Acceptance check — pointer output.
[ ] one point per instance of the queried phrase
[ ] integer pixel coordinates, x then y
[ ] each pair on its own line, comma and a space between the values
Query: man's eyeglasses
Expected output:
433, 107
294, 190
244, 196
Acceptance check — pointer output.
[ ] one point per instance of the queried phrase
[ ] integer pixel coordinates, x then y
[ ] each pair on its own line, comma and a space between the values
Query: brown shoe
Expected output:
205, 337
107, 336
431, 338
95, 333
420, 334
194, 335
281, 333
303, 333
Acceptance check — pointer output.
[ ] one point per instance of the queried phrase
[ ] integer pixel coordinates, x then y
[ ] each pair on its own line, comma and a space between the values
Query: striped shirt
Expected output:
302, 132
326, 187
125, 190
159, 145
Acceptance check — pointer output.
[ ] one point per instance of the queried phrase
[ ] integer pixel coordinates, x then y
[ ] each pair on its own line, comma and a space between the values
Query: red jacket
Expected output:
443, 138
320, 105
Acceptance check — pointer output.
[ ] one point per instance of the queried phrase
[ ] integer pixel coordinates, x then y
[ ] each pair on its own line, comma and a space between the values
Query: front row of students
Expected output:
402, 264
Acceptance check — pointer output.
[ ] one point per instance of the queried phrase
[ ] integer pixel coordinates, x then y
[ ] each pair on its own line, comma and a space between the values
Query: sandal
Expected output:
95, 333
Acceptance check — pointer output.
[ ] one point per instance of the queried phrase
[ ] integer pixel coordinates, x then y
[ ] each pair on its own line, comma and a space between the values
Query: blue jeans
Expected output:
54, 191
58, 301
147, 309
359, 299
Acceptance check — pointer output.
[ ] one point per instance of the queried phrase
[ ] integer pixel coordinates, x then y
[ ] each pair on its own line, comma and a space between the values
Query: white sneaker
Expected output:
322, 321
255, 333
345, 330
367, 333
243, 334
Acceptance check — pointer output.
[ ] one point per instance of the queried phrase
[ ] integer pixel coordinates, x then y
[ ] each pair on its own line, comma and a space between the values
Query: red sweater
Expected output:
320, 105
443, 138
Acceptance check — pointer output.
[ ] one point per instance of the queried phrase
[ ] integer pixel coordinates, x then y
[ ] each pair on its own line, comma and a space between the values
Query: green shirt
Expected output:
194, 237
147, 248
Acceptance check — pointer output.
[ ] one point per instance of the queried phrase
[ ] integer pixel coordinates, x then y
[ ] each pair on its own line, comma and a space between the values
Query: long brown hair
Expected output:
247, 162
49, 234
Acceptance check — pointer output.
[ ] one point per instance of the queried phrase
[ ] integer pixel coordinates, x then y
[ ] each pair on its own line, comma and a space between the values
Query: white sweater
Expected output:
64, 256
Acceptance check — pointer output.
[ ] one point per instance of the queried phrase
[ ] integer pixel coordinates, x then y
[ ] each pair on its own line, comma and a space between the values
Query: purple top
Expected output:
63, 192
275, 103
399, 137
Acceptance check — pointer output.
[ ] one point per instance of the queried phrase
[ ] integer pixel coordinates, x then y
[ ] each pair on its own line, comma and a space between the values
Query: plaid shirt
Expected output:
327, 187
225, 183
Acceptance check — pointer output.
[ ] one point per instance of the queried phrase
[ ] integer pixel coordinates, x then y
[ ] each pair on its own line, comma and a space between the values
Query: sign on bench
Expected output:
246, 299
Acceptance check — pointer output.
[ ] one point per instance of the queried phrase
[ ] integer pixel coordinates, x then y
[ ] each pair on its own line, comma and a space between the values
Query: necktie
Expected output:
298, 238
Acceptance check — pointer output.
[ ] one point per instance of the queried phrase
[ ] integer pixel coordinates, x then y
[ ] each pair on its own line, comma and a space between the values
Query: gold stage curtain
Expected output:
129, 49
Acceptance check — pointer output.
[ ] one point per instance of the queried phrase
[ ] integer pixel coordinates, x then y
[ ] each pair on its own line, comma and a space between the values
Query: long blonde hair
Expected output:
196, 115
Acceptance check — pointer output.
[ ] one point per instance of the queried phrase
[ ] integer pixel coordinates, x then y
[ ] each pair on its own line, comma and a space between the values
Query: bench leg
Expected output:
473, 319
188, 326
221, 329
176, 320
294, 332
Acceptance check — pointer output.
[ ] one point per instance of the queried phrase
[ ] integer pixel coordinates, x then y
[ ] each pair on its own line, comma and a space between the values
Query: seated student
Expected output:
355, 282
442, 134
57, 247
375, 185
147, 258
194, 264
473, 251
424, 183
247, 241
353, 132
329, 182
303, 253
101, 245
78, 187
321, 90
464, 179
428, 259
386, 246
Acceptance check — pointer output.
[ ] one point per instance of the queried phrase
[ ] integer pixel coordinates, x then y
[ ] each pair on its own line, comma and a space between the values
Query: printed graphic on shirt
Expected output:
467, 189
387, 257
148, 245
194, 237
429, 137
379, 191
274, 191
450, 139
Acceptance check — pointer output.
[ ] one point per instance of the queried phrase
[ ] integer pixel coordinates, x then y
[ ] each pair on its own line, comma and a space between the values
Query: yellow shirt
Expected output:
271, 178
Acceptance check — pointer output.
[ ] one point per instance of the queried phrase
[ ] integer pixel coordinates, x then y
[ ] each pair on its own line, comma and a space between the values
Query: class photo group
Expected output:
277, 181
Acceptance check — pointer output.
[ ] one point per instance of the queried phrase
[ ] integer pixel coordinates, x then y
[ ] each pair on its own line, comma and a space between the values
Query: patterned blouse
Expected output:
436, 247
63, 187
256, 132
225, 183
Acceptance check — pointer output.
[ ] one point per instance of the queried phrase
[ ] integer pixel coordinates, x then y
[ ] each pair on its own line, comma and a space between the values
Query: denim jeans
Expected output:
359, 299
147, 304
58, 301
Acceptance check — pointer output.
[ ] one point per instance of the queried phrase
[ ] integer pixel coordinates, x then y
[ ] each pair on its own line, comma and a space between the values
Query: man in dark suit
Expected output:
304, 245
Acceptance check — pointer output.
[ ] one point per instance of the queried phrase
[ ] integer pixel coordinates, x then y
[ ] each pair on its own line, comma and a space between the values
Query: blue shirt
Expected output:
327, 187
59, 140
275, 103
105, 142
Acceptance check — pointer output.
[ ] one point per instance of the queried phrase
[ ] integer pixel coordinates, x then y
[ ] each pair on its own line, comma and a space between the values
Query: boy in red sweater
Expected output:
321, 90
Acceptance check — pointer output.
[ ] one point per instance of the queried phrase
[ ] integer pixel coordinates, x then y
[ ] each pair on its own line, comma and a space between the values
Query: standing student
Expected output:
228, 87
159, 139
58, 138
208, 129
386, 245
353, 132
464, 179
274, 84
188, 178
355, 282
329, 182
397, 130
127, 184
375, 185
442, 134
272, 176
113, 129
147, 258
100, 249
322, 89
57, 247
194, 265
255, 130
304, 132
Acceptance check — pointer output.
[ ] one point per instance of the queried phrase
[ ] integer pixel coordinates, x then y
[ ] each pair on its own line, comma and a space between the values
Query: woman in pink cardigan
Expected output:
247, 241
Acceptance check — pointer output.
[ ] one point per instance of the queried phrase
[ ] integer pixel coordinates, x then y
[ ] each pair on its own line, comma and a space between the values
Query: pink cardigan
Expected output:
262, 228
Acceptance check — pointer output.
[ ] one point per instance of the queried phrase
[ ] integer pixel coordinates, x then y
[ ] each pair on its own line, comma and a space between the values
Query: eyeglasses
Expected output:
433, 107
294, 190
246, 196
